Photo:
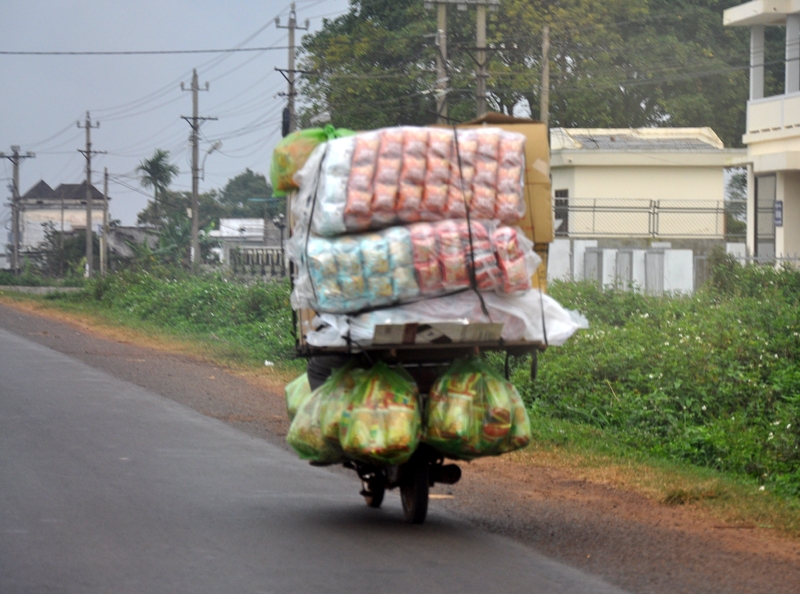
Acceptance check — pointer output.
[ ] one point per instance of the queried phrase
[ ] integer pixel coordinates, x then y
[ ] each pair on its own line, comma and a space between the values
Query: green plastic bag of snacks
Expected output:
305, 433
297, 391
291, 153
382, 423
471, 412
339, 389
312, 433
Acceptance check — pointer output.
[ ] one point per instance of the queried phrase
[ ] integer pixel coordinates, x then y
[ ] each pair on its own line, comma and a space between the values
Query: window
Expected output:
764, 227
562, 212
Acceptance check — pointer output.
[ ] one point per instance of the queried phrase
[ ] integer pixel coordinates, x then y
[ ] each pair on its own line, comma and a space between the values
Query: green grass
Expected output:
245, 324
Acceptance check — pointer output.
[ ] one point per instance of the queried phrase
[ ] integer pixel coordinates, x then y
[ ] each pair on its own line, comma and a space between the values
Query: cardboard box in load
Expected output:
539, 279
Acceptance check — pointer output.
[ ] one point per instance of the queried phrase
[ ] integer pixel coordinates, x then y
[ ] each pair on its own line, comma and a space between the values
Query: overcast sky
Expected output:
137, 98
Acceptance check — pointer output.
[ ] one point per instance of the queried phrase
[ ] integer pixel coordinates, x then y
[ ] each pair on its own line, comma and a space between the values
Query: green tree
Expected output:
175, 225
157, 173
248, 195
618, 63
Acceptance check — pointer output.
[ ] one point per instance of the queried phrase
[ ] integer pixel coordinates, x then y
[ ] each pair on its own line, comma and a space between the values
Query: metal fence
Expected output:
259, 261
702, 269
583, 218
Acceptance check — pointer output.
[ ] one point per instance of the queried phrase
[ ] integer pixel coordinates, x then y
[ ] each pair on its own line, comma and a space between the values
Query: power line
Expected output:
144, 52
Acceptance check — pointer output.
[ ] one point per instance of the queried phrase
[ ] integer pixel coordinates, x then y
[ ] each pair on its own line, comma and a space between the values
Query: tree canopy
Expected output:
157, 173
613, 63
249, 195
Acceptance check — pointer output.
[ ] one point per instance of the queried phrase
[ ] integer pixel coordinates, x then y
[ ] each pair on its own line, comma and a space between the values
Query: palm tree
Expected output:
157, 173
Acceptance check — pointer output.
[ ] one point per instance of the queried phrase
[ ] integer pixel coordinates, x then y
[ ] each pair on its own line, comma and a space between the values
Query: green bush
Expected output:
712, 379
255, 320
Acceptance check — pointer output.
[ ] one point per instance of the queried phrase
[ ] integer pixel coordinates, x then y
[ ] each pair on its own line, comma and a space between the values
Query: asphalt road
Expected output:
108, 487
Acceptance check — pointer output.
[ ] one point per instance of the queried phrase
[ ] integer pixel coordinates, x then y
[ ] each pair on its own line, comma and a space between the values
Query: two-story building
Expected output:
772, 135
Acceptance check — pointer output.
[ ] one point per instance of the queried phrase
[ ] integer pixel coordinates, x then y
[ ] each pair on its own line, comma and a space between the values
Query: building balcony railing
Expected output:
773, 114
583, 218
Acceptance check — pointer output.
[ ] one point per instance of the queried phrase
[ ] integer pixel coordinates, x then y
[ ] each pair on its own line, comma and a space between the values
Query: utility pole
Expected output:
481, 39
195, 121
88, 154
544, 98
290, 72
15, 157
441, 64
480, 59
104, 236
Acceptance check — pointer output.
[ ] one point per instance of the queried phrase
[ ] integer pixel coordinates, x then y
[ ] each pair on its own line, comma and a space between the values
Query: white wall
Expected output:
678, 271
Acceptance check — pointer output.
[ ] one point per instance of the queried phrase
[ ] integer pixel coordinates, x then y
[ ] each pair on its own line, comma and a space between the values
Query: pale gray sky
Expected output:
137, 98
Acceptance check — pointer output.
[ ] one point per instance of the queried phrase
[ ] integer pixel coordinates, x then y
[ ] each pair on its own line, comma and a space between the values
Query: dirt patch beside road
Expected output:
630, 540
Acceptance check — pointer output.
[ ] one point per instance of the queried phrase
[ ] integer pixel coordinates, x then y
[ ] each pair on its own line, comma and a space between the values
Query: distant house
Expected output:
64, 207
772, 135
647, 183
245, 234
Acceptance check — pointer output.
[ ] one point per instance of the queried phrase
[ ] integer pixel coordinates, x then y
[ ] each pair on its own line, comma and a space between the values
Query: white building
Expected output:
64, 208
772, 135
649, 183
246, 234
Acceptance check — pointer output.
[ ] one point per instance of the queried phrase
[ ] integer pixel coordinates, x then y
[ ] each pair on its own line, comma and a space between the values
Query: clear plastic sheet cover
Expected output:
522, 317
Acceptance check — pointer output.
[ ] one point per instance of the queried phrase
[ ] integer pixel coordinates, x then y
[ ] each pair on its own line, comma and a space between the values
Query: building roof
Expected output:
40, 190
635, 139
635, 147
760, 12
66, 192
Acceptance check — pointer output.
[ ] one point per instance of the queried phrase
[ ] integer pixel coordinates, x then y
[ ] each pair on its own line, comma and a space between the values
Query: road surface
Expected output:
108, 487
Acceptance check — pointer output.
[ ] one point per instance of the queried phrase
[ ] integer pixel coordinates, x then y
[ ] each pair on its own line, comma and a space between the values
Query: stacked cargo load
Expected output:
416, 226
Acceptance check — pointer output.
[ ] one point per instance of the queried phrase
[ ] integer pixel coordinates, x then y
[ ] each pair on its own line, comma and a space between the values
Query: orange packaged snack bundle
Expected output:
511, 260
509, 205
412, 174
358, 212
434, 202
471, 412
459, 191
387, 176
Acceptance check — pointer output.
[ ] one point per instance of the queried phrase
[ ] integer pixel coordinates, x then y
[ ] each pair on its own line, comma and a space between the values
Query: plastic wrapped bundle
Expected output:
382, 423
332, 194
296, 391
401, 264
405, 175
472, 412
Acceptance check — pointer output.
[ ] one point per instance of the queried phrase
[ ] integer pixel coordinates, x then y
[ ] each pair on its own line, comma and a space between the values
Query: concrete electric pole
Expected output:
441, 64
290, 71
480, 59
88, 152
544, 99
195, 121
104, 236
15, 157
